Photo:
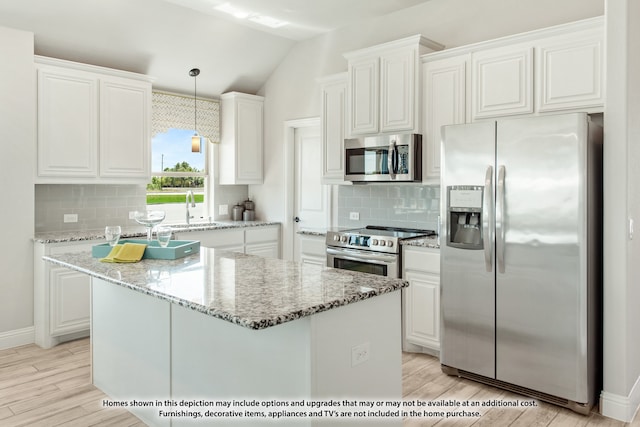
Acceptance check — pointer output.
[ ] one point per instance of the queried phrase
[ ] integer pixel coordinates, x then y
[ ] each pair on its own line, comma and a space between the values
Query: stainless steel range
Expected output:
372, 249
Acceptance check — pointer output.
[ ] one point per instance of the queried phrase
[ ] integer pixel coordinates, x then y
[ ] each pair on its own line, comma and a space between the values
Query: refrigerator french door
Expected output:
520, 255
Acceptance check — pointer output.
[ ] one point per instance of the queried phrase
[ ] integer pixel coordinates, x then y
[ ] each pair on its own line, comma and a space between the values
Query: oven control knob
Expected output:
336, 238
382, 243
389, 243
374, 242
343, 238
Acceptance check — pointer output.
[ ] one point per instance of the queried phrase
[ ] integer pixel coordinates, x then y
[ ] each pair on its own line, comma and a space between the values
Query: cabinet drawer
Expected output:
262, 234
421, 260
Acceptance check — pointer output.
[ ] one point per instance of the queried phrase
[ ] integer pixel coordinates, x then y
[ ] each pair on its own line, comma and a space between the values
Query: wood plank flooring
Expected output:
52, 388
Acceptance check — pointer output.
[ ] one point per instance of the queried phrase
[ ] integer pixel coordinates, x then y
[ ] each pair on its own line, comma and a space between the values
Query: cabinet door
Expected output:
444, 97
364, 96
67, 123
125, 121
422, 309
397, 91
332, 116
313, 250
70, 301
502, 81
313, 260
267, 250
570, 72
240, 150
249, 142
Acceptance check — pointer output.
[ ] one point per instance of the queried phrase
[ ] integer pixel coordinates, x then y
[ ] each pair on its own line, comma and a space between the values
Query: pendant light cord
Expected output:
194, 73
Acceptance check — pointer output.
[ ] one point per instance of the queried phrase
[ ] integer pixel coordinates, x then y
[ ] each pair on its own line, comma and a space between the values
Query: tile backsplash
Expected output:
95, 205
391, 205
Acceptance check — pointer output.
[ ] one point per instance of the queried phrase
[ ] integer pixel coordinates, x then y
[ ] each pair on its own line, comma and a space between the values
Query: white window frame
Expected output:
171, 110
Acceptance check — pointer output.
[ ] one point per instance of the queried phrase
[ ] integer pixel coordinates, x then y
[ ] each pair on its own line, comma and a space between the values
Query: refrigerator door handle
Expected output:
487, 219
500, 219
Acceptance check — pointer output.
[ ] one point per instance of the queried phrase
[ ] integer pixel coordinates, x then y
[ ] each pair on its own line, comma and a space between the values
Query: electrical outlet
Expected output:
132, 214
70, 218
223, 210
360, 354
354, 215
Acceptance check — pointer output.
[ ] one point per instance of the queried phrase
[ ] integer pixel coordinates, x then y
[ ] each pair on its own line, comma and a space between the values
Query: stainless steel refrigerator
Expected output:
521, 255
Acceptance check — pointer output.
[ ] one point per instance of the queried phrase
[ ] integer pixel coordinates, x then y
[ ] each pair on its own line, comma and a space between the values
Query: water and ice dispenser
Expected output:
464, 222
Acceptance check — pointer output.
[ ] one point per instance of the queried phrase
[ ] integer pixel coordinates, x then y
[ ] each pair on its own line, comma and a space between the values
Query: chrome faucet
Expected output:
193, 204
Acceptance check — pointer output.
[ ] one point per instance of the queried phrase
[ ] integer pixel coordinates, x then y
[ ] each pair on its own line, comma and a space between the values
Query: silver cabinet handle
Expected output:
500, 220
487, 217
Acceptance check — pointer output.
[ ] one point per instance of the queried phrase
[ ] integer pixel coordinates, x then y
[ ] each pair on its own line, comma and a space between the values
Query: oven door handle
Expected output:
371, 258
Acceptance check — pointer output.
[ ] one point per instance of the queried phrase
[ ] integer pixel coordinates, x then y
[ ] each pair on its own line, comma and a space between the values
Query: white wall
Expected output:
621, 395
17, 141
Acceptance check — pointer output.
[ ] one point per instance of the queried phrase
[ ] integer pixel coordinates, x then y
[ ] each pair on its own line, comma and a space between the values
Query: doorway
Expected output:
306, 198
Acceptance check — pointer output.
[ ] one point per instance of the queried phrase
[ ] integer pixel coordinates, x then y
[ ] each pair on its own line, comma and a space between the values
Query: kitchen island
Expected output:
218, 326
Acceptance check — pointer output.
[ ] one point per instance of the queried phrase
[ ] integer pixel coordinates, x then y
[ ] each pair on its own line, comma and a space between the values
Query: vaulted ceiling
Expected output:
166, 38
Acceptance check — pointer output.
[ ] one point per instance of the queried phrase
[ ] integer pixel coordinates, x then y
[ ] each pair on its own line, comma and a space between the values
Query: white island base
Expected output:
151, 350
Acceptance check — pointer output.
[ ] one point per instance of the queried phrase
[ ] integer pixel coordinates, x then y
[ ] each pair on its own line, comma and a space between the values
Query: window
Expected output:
175, 169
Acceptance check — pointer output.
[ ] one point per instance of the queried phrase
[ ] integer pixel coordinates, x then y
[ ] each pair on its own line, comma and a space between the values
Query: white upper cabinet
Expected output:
539, 72
444, 83
93, 124
364, 94
241, 123
399, 82
333, 93
383, 86
502, 81
125, 118
570, 71
67, 123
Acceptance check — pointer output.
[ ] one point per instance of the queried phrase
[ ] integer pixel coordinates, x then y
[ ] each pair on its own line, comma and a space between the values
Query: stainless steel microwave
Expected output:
393, 158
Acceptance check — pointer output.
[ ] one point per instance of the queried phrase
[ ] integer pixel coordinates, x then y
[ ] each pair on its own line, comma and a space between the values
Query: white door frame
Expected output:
290, 127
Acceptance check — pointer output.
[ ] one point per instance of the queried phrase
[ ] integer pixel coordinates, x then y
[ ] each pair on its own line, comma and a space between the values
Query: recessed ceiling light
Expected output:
267, 21
227, 8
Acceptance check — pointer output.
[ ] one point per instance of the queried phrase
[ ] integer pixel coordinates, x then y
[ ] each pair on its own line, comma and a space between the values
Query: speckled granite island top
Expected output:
247, 290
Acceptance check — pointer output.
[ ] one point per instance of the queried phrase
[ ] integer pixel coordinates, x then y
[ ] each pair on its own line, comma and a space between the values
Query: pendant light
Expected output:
196, 146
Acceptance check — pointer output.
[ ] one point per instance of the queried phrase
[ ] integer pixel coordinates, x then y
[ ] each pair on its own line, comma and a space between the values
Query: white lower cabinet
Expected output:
421, 300
61, 297
231, 240
312, 250
261, 241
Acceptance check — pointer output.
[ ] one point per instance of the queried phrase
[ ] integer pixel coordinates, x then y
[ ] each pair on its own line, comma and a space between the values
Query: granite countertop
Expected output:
140, 231
312, 232
247, 290
423, 242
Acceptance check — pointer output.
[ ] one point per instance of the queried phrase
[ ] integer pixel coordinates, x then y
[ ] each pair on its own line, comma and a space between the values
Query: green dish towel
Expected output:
129, 252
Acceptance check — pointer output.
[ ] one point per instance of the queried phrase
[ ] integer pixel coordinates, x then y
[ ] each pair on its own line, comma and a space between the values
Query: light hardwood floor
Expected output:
52, 388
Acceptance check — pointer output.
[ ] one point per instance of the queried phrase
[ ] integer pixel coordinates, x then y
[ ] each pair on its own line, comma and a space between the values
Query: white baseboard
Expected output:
17, 337
618, 407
